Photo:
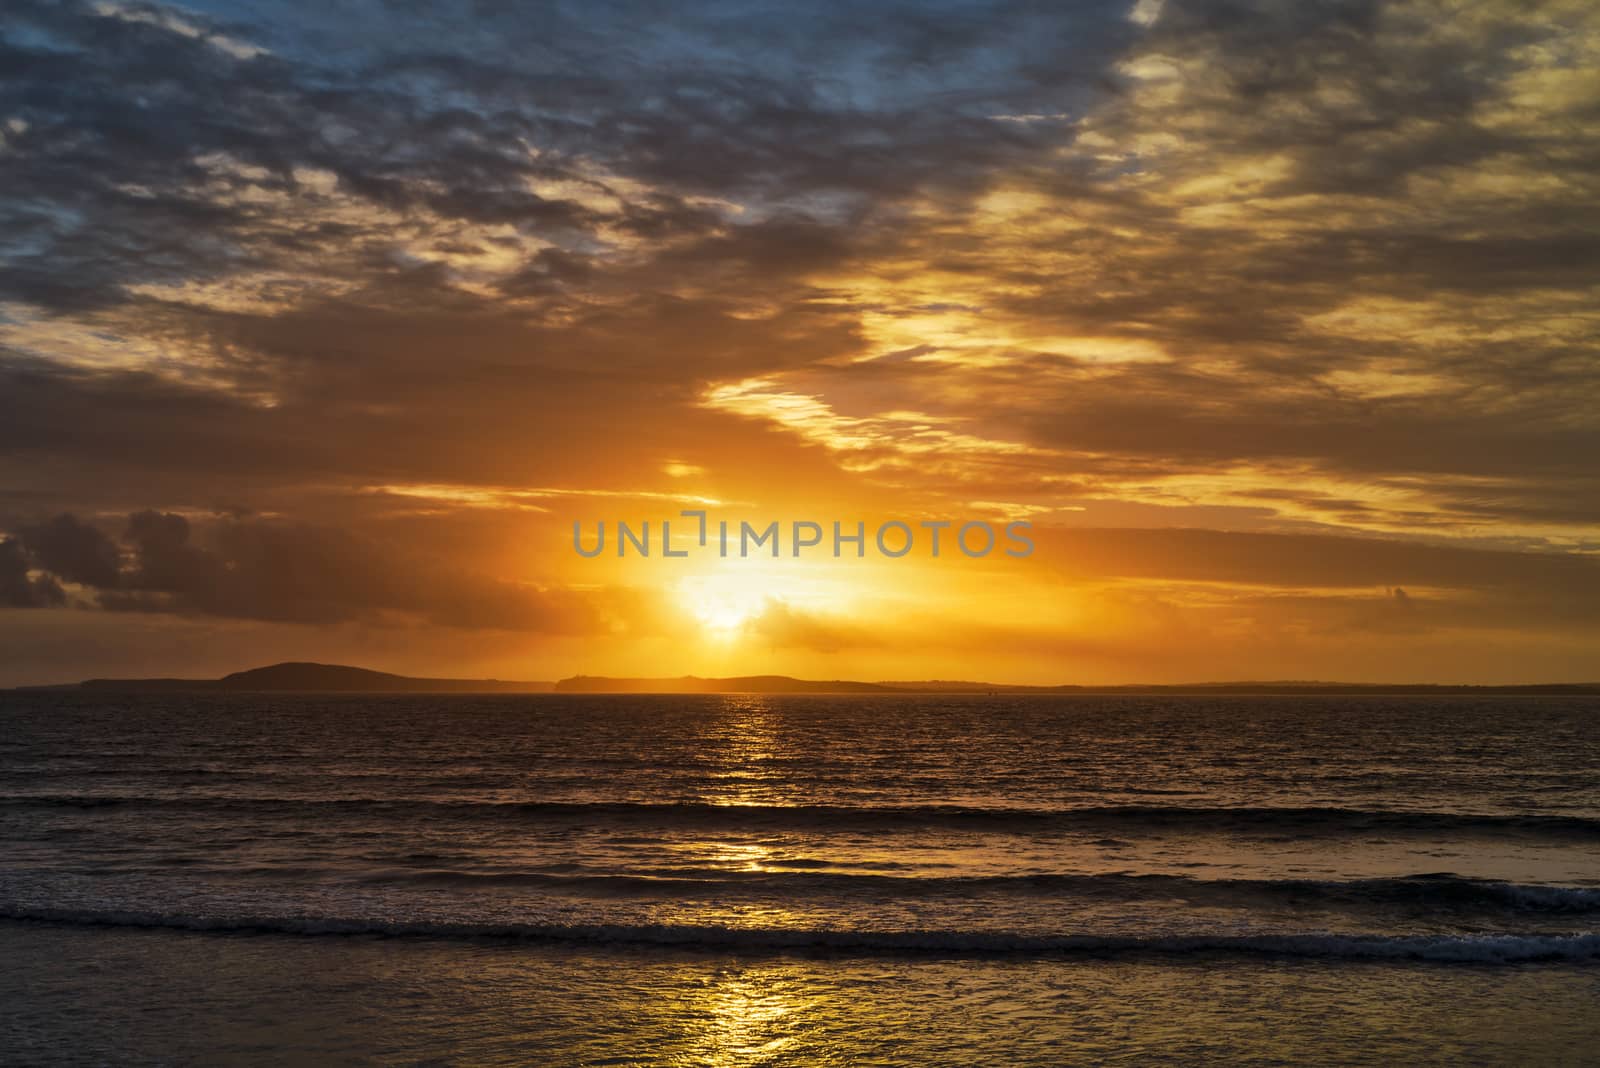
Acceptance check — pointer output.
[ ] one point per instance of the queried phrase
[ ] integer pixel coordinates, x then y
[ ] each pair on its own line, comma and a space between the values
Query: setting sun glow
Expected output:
723, 603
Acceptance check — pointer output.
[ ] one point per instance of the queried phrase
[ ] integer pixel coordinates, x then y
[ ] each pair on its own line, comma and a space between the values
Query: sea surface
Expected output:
748, 880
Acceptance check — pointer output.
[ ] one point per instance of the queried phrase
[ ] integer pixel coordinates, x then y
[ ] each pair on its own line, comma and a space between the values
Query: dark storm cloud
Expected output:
17, 588
74, 551
277, 571
165, 561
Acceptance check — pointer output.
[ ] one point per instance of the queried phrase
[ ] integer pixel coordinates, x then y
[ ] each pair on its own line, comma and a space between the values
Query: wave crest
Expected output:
1483, 948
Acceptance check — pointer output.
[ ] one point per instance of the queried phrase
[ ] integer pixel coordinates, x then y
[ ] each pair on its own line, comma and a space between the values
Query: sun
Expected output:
723, 603
730, 599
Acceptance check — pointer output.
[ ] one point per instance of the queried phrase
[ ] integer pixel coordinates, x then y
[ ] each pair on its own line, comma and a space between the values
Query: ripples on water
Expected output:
1027, 842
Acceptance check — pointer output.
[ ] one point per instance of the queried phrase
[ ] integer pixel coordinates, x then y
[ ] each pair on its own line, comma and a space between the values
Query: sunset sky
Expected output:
322, 323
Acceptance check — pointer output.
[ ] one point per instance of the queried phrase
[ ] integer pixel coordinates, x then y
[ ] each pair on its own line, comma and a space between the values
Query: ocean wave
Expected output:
1307, 820
1475, 948
810, 882
1436, 892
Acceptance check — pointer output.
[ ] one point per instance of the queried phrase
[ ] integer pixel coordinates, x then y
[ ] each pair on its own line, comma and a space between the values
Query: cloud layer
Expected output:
353, 312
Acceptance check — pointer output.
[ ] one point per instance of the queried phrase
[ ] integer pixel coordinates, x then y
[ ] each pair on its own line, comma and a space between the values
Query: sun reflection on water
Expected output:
745, 745
733, 856
753, 1017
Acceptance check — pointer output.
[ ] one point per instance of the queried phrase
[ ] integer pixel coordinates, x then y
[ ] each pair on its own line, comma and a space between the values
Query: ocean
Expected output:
817, 880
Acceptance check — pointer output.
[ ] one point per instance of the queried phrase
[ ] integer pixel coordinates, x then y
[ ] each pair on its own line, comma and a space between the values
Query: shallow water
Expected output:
136, 997
554, 879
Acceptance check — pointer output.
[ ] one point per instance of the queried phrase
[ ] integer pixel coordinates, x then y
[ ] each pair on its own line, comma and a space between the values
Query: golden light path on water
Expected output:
753, 1017
741, 880
438, 1002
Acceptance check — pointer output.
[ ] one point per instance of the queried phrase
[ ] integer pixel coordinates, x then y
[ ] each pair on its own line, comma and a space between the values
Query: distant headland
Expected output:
309, 678
304, 677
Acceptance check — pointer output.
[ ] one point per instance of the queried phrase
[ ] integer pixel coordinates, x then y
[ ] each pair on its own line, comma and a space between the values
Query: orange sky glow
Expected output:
1289, 361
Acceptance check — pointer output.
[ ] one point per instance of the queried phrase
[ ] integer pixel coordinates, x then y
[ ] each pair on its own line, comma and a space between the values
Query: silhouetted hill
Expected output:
318, 678
339, 678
